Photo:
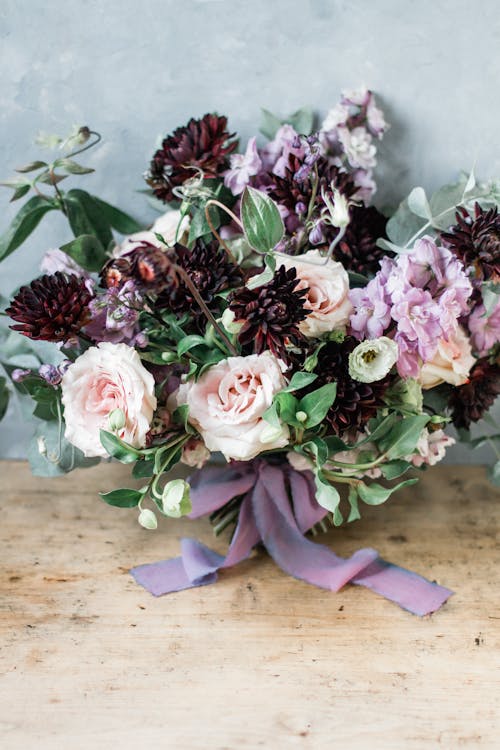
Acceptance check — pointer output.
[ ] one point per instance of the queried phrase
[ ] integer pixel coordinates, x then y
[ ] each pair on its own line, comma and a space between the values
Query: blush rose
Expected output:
451, 363
327, 300
105, 378
227, 403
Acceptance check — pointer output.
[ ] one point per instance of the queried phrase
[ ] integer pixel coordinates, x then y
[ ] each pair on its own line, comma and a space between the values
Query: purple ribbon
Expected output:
267, 516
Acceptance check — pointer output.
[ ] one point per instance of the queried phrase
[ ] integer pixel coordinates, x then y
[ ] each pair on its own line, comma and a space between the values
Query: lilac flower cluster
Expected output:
418, 299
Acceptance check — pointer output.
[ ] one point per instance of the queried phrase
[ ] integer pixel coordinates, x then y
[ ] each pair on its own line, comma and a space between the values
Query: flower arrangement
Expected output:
270, 314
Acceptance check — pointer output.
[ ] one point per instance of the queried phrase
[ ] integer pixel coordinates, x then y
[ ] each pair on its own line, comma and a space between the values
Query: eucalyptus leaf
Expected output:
418, 203
269, 124
51, 455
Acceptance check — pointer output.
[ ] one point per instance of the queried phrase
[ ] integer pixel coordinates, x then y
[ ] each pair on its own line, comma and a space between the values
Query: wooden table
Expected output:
259, 660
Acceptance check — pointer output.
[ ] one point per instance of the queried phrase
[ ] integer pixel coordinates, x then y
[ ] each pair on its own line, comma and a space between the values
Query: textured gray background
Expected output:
134, 70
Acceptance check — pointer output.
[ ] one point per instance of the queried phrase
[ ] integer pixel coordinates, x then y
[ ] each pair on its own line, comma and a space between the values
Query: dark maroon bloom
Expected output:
211, 272
358, 250
54, 307
147, 265
470, 402
202, 144
356, 403
475, 240
271, 314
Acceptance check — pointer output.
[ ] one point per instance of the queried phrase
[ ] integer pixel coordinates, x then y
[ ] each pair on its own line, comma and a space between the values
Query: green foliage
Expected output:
51, 455
302, 121
87, 251
85, 217
262, 222
376, 494
317, 403
402, 439
123, 498
4, 397
118, 449
25, 221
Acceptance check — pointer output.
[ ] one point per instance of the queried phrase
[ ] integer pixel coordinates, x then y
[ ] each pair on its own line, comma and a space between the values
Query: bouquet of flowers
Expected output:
271, 316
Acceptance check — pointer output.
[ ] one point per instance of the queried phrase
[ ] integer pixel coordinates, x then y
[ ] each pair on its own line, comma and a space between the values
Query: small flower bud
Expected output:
176, 500
18, 375
229, 322
116, 420
301, 416
147, 519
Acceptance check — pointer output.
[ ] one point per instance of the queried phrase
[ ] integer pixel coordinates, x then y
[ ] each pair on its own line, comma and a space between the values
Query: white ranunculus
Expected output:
105, 378
227, 402
327, 300
372, 359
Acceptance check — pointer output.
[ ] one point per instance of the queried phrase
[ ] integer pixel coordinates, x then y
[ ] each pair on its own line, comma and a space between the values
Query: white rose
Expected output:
170, 225
105, 378
226, 405
327, 300
371, 360
451, 363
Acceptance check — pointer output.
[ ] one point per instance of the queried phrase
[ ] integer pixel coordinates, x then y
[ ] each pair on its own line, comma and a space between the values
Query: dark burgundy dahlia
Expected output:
358, 250
211, 272
201, 144
54, 307
470, 402
147, 265
271, 313
475, 240
356, 403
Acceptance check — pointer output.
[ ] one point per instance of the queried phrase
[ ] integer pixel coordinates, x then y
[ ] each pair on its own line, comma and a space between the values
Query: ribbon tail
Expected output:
198, 564
411, 591
286, 544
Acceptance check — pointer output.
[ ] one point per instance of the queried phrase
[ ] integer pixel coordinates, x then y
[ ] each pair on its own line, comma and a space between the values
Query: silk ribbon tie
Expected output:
267, 515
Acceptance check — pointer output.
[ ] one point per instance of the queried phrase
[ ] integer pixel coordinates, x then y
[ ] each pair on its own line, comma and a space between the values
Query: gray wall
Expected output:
134, 70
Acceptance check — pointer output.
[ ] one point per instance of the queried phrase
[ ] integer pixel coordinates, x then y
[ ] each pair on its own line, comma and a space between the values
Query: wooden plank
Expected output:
90, 660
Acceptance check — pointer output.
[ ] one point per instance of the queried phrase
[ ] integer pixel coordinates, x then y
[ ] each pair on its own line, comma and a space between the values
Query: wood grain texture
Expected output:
259, 660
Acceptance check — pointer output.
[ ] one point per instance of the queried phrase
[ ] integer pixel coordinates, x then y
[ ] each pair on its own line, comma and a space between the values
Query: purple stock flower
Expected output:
418, 316
115, 314
276, 152
485, 329
372, 316
50, 374
242, 167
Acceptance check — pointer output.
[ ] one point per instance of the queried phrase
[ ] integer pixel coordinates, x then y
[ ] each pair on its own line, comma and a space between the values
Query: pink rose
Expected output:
327, 300
451, 363
107, 377
227, 403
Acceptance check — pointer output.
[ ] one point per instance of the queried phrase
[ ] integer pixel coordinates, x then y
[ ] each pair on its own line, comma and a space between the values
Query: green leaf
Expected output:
326, 494
269, 124
317, 447
72, 167
317, 403
490, 292
262, 222
23, 224
142, 469
118, 219
87, 251
4, 397
394, 469
117, 448
375, 494
379, 428
403, 437
403, 225
354, 514
86, 217
302, 120
494, 473
299, 380
124, 498
418, 203
335, 444
20, 192
32, 166
312, 361
58, 456
188, 343
267, 274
